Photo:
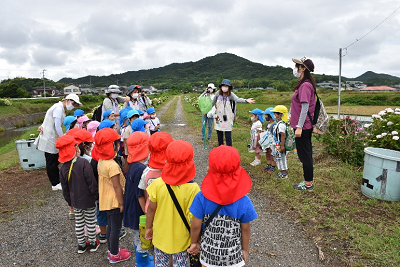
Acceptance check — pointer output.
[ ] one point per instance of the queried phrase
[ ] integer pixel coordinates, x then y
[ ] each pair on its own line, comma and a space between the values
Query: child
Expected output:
109, 115
225, 186
132, 115
270, 119
154, 121
256, 128
163, 223
281, 116
70, 123
92, 127
158, 143
78, 113
80, 191
111, 194
107, 124
134, 199
83, 122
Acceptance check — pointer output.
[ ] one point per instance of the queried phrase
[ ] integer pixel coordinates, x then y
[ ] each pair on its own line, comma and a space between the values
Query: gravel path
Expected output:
43, 236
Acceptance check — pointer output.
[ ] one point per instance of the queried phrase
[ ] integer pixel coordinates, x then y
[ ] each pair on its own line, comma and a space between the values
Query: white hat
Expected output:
75, 98
211, 85
113, 89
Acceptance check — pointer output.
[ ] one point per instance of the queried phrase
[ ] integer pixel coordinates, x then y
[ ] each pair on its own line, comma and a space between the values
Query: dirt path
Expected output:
42, 235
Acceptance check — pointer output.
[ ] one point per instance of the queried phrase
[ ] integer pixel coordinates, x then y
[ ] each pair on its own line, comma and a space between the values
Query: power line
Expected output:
372, 29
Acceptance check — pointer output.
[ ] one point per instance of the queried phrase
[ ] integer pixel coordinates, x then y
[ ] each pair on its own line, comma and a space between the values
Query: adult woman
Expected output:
303, 104
225, 105
137, 99
209, 92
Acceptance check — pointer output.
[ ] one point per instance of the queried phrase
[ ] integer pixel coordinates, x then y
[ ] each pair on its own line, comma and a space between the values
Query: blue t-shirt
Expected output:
132, 209
221, 241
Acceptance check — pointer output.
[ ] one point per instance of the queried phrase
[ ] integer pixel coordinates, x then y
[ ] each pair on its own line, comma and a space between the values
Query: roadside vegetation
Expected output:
354, 229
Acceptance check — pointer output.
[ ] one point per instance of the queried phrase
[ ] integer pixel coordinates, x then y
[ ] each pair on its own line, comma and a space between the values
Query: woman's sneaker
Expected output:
302, 187
83, 248
121, 256
93, 246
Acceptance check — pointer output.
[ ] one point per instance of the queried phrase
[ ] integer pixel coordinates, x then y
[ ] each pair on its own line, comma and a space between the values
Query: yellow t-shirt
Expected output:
107, 197
170, 234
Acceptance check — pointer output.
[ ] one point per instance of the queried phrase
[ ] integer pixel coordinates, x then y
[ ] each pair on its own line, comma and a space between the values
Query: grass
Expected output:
354, 229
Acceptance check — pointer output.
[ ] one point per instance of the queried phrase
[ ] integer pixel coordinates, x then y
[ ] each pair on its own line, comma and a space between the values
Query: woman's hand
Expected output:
298, 132
127, 98
250, 100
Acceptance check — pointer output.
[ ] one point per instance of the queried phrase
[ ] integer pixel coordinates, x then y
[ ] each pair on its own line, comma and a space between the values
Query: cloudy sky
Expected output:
86, 37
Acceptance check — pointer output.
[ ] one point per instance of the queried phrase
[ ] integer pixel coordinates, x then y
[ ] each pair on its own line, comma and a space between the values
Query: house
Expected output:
150, 89
378, 89
49, 90
72, 89
89, 91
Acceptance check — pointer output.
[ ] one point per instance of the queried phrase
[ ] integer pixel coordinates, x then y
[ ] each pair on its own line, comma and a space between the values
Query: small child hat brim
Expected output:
179, 168
138, 148
225, 181
66, 148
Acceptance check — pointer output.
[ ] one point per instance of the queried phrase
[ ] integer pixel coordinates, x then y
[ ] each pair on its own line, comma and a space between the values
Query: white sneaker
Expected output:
56, 187
256, 162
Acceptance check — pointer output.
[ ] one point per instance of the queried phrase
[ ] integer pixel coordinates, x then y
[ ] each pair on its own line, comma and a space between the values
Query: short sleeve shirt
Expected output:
221, 241
107, 197
305, 93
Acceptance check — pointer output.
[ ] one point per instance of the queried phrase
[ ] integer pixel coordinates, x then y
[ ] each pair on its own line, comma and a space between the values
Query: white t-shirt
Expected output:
153, 123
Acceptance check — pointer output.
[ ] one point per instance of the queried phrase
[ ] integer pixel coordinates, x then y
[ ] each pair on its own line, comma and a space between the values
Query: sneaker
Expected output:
271, 170
94, 245
56, 187
71, 215
123, 255
266, 168
281, 175
122, 233
83, 248
256, 162
102, 238
302, 187
119, 249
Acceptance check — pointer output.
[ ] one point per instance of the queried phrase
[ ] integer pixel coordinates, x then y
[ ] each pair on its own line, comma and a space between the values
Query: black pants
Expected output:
304, 151
114, 218
228, 137
52, 168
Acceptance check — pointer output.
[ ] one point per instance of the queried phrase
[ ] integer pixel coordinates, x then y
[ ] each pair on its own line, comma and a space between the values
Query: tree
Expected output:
12, 90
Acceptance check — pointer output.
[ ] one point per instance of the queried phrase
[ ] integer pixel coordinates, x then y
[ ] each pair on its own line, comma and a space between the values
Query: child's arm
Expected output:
142, 202
245, 229
283, 138
195, 231
151, 210
118, 192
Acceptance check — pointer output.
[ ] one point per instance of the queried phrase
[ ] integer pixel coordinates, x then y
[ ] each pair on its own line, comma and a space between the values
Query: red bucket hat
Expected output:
104, 143
81, 135
158, 143
137, 146
179, 168
66, 148
225, 181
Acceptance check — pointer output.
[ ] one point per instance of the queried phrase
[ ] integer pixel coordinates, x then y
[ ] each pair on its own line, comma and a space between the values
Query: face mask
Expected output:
224, 89
253, 119
210, 90
69, 106
153, 116
114, 96
141, 117
135, 95
296, 73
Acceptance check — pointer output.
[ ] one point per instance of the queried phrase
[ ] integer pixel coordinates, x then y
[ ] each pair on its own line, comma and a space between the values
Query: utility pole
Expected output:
117, 81
44, 85
340, 82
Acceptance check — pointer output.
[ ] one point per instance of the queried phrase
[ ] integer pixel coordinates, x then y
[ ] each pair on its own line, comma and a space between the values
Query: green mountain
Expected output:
242, 72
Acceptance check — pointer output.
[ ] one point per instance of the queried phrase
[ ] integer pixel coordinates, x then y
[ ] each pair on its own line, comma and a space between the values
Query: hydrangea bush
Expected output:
347, 138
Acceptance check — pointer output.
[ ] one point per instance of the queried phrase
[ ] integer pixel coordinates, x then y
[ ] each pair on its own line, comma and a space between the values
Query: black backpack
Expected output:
97, 113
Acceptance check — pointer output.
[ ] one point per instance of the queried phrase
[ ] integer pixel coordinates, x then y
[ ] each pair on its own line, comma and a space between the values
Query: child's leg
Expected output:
89, 216
161, 259
79, 226
114, 227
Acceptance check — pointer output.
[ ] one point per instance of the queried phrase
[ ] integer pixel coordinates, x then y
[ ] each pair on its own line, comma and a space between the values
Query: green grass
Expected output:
357, 230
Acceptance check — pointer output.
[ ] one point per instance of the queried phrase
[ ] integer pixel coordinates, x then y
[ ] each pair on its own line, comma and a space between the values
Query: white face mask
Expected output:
210, 90
253, 119
153, 116
114, 96
296, 73
135, 95
69, 106
225, 89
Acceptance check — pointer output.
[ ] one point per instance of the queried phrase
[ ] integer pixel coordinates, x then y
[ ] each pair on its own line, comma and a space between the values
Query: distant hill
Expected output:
214, 69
